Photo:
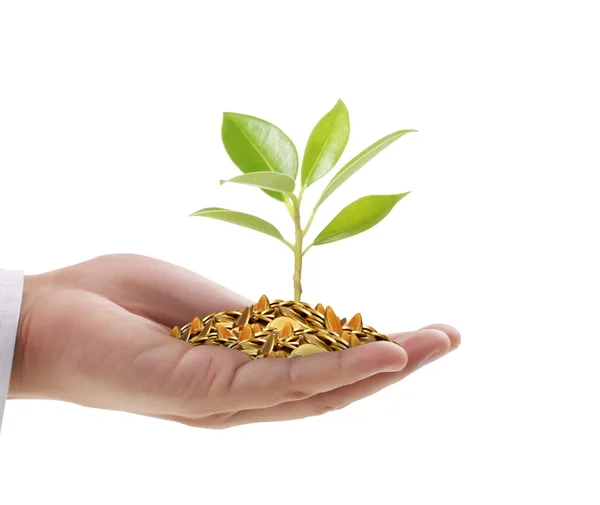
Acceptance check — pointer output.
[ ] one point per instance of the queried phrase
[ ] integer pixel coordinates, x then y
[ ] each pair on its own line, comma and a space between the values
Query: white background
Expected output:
110, 119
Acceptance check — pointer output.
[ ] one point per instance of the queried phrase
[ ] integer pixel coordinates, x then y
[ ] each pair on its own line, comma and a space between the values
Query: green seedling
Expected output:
269, 161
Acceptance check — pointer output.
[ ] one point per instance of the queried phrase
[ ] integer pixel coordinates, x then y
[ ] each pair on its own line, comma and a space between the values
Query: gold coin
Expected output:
196, 324
306, 350
354, 341
281, 329
223, 331
269, 343
246, 333
279, 322
263, 304
355, 322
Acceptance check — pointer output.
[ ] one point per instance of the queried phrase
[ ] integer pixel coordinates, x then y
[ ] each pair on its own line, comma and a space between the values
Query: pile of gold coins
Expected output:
279, 329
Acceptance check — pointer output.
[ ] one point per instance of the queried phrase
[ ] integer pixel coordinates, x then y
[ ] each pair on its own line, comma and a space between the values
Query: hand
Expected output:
97, 334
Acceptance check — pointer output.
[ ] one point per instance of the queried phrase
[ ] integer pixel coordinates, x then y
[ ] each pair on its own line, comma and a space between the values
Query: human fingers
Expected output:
264, 383
453, 333
421, 348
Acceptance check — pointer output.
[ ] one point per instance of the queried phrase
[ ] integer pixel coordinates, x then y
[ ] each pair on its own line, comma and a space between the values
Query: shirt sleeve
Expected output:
11, 293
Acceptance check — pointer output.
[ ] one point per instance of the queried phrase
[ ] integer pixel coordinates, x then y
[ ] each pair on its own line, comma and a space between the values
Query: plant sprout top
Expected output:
269, 161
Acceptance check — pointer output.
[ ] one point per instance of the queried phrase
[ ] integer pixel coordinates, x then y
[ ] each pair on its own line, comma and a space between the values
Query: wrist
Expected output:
33, 288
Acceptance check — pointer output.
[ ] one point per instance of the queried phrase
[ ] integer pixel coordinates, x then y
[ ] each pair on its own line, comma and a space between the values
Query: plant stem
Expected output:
306, 250
297, 250
310, 220
289, 205
288, 244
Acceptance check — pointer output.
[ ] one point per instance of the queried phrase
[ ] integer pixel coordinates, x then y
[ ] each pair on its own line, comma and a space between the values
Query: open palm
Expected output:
97, 334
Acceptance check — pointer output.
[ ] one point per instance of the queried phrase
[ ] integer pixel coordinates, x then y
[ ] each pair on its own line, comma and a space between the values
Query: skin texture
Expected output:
97, 334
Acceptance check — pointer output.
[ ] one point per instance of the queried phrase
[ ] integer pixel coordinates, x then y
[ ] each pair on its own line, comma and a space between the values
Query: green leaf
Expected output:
241, 219
266, 180
325, 144
357, 217
255, 145
358, 162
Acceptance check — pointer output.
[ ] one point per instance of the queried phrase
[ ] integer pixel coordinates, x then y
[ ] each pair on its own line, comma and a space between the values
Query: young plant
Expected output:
269, 161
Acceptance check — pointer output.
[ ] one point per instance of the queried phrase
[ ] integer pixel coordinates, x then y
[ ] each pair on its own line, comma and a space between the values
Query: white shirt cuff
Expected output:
11, 293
